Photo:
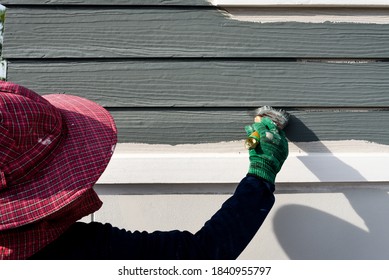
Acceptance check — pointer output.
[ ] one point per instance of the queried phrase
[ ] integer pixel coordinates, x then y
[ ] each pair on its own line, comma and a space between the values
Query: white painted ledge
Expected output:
309, 14
304, 3
344, 161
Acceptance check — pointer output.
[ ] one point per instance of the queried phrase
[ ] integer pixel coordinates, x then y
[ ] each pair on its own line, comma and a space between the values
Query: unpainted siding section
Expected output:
188, 73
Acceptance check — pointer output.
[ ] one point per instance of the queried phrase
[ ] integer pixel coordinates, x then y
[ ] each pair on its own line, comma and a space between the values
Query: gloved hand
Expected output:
269, 155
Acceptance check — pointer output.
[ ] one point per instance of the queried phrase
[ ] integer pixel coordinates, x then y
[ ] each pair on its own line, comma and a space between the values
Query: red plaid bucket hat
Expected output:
53, 149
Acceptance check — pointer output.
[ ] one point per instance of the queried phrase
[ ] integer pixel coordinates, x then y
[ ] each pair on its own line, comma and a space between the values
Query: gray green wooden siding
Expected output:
176, 72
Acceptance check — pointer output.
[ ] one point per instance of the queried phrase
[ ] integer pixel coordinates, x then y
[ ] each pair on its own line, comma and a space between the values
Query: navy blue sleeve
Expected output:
224, 236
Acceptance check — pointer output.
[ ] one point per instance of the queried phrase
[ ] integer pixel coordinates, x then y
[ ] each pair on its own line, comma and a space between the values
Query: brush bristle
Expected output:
279, 117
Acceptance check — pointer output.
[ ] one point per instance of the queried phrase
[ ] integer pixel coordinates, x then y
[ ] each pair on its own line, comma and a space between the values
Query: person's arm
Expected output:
231, 229
224, 236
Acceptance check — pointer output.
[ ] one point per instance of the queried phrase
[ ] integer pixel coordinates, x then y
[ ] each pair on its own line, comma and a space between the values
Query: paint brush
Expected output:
279, 117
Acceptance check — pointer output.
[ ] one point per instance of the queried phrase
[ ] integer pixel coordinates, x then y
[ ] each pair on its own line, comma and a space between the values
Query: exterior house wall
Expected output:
181, 79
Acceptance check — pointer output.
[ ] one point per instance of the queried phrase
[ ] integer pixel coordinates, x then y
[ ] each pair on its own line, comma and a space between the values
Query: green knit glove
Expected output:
268, 156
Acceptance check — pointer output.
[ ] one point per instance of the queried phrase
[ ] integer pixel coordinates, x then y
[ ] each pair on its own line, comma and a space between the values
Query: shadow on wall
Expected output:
307, 233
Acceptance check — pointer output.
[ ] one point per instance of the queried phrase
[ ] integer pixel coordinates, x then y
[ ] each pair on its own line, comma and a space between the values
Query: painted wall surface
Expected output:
195, 66
180, 73
320, 222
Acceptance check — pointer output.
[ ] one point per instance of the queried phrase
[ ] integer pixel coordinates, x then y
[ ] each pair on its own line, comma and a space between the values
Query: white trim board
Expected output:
302, 3
309, 14
344, 161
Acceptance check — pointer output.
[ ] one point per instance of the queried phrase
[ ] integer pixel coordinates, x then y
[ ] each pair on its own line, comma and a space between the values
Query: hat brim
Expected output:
84, 155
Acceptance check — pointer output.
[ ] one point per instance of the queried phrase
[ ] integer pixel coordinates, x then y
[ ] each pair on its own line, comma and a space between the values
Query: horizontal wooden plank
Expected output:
105, 3
180, 32
210, 83
240, 3
178, 126
221, 3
